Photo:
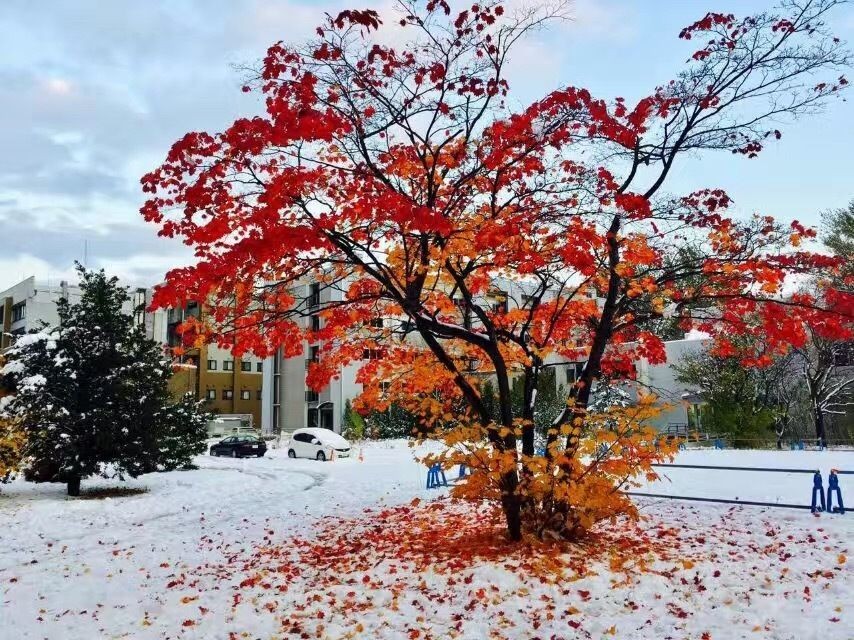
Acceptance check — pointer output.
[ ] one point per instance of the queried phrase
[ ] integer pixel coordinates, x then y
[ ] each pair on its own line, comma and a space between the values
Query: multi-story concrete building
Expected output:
31, 304
288, 404
229, 385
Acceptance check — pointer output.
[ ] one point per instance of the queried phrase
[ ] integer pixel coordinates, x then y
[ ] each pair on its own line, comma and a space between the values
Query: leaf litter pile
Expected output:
445, 570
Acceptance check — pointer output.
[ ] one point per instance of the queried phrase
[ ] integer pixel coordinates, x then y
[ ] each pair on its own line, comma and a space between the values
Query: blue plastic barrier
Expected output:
797, 446
833, 485
436, 477
719, 444
817, 494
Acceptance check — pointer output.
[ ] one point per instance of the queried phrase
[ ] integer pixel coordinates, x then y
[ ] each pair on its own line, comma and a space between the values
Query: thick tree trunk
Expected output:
74, 486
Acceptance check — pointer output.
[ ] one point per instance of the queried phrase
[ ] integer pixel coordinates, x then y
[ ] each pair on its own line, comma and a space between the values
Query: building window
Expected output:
2, 309
573, 371
211, 394
314, 295
259, 367
245, 365
314, 355
315, 322
311, 396
211, 365
258, 394
373, 354
377, 323
227, 394
19, 311
139, 307
245, 394
843, 355
465, 311
228, 365
499, 302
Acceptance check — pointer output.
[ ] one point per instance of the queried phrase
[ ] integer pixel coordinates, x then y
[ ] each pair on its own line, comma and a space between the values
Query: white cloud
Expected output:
15, 268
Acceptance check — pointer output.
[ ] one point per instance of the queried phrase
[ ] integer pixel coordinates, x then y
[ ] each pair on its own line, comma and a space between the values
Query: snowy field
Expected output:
257, 549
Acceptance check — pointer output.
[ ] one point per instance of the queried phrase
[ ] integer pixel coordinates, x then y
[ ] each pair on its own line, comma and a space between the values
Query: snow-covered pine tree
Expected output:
91, 394
156, 432
183, 428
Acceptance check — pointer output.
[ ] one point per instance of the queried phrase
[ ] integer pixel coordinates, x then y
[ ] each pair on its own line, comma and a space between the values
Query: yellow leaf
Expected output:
840, 559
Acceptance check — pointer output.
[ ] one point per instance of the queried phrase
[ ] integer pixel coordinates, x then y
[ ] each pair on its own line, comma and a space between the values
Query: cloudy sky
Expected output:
93, 92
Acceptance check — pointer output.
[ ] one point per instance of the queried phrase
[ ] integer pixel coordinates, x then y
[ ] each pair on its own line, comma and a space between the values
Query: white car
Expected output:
318, 444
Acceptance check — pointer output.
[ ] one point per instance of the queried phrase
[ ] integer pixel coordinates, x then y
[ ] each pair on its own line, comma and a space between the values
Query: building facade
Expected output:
31, 304
228, 385
288, 404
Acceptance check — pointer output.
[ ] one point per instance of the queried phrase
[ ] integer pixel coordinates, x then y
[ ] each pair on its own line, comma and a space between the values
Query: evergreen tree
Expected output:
394, 422
91, 394
353, 423
838, 235
735, 401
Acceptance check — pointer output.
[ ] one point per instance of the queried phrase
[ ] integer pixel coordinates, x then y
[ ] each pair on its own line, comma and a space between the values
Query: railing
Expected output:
818, 502
722, 441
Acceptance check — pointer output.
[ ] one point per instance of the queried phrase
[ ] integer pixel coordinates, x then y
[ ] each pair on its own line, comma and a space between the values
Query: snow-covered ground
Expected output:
255, 548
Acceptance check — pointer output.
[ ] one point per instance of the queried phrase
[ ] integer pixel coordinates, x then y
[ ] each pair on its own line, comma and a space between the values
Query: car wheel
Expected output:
233, 453
321, 456
213, 453
292, 453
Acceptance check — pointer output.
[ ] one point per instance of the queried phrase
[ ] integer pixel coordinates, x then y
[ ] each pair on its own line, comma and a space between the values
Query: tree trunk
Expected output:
74, 486
511, 505
819, 427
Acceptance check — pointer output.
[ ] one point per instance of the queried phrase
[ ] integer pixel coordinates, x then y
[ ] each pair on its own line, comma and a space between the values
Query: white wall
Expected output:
661, 380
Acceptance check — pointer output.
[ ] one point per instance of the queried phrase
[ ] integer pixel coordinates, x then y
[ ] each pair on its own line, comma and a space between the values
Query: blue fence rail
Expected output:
820, 501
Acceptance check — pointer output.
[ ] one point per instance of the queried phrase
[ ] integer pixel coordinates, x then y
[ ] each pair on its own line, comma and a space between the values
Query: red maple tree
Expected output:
400, 177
